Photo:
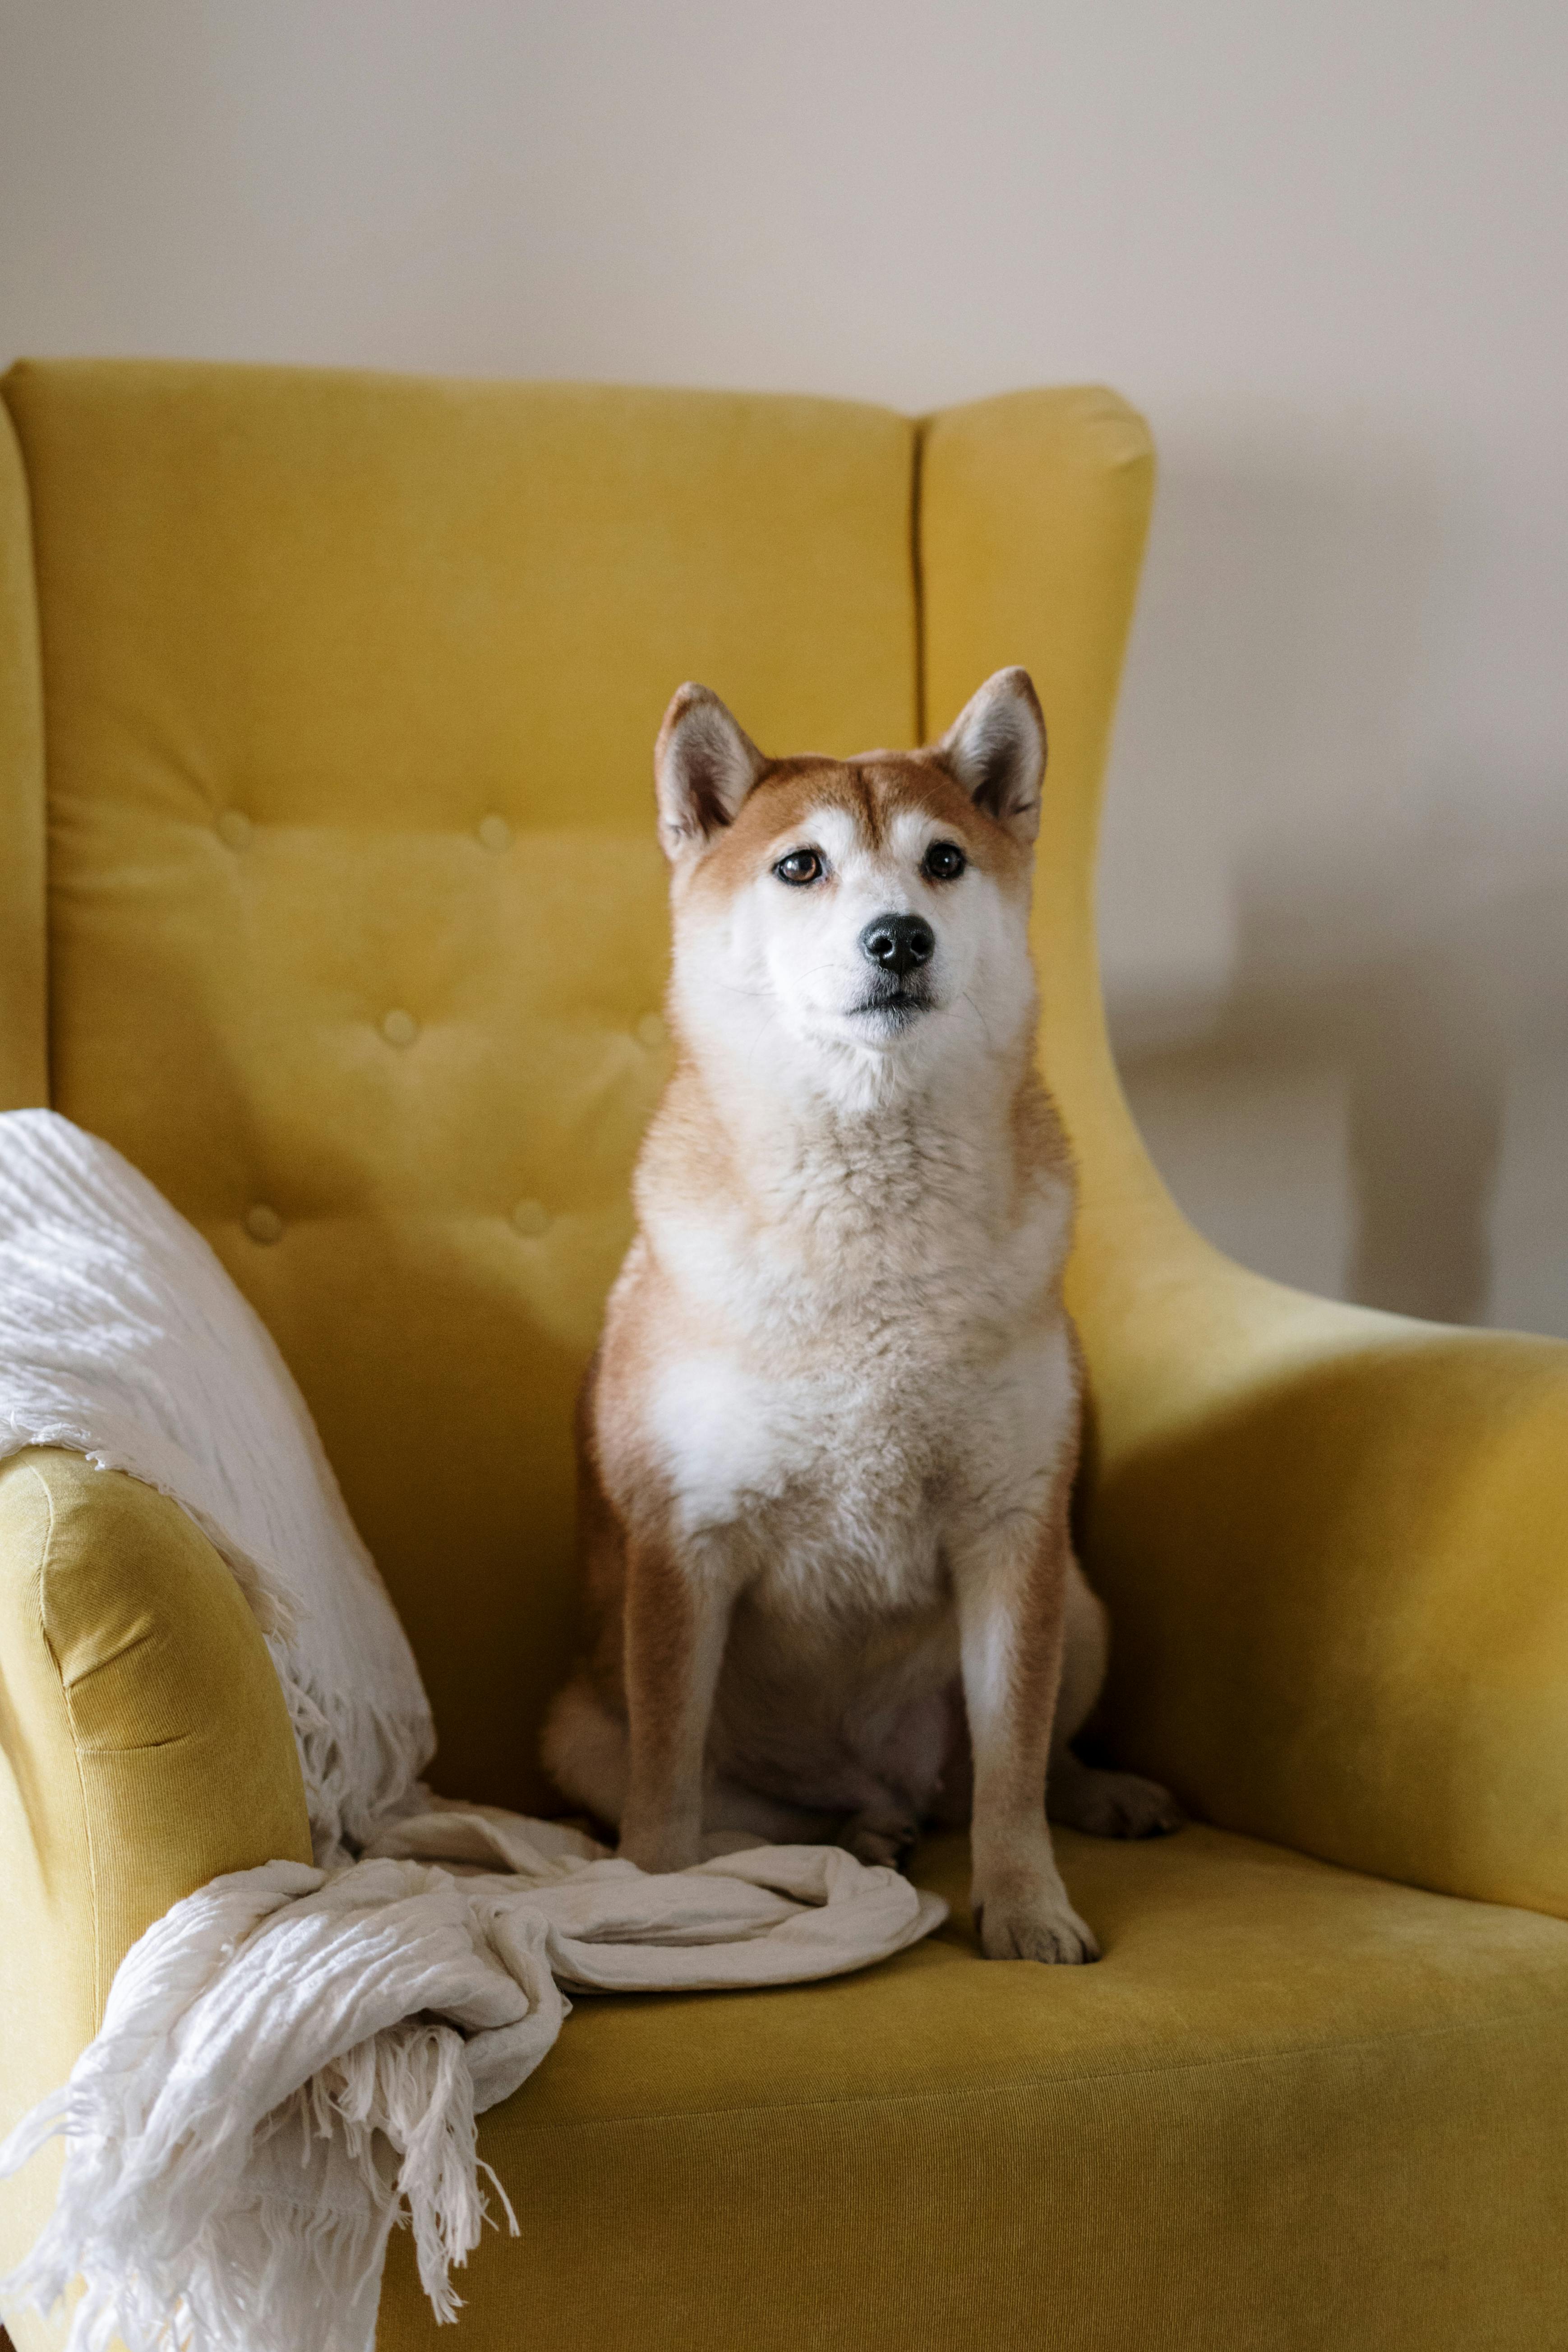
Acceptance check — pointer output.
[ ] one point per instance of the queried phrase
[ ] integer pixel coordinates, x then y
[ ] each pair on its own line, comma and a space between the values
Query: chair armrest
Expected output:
1335, 1547
144, 1748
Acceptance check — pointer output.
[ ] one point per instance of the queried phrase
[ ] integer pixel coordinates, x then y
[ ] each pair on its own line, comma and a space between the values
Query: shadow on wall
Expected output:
1294, 889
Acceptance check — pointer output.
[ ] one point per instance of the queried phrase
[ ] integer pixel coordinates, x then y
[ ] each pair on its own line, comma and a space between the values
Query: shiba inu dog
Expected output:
827, 1443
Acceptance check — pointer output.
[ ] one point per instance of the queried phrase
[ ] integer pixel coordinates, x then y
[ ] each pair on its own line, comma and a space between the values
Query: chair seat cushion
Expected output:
1291, 2106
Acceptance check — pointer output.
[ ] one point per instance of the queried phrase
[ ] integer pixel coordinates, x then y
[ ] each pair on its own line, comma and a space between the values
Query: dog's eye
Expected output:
800, 866
943, 862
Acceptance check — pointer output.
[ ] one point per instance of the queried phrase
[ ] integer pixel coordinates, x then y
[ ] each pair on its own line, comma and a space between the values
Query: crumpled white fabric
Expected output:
293, 2058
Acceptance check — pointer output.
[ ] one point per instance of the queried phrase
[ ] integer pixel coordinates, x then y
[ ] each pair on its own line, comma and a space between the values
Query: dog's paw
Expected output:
1034, 1926
658, 1849
1111, 1804
881, 1841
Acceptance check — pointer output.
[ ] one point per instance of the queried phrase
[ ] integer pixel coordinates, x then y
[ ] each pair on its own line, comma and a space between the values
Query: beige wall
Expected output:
1323, 245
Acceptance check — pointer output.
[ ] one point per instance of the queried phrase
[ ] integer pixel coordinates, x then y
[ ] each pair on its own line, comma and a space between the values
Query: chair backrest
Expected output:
355, 937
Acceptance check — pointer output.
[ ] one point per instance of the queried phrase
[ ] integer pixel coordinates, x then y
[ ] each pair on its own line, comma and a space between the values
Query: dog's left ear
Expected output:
997, 748
704, 764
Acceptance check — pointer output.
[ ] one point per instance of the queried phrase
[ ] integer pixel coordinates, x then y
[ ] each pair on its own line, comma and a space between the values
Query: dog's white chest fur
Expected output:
869, 1374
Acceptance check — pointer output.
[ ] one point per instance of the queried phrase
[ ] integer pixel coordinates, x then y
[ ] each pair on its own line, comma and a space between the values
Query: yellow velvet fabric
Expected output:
23, 1069
1292, 2110
1332, 1540
350, 686
1354, 1636
355, 944
146, 1749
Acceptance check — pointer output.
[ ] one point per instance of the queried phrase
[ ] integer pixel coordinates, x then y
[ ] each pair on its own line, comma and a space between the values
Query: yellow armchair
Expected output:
336, 693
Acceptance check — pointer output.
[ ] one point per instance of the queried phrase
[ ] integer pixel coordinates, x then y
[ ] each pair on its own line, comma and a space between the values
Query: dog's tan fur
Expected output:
827, 1444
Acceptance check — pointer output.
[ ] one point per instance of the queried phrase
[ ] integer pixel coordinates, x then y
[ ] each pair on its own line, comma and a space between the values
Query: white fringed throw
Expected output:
292, 2059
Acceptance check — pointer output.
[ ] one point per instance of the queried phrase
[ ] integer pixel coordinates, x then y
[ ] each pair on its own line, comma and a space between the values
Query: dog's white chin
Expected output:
880, 1030
861, 1062
885, 1027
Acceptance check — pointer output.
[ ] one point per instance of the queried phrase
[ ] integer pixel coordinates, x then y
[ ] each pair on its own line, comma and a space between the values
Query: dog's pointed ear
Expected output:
704, 764
997, 748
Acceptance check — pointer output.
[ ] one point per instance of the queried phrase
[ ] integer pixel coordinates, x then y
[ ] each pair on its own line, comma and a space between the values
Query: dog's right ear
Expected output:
703, 767
997, 748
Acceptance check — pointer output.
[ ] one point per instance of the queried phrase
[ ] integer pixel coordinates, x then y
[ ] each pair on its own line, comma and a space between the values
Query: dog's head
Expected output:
854, 922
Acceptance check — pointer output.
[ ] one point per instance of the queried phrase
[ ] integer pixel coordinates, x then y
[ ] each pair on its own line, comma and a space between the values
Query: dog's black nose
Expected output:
897, 943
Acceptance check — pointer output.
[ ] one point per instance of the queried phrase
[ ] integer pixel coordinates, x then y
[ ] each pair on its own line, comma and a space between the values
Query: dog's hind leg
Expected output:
732, 1812
585, 1752
1078, 1795
908, 1777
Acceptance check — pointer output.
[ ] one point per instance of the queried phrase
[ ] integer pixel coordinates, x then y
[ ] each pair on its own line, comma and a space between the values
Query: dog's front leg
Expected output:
1011, 1588
677, 1617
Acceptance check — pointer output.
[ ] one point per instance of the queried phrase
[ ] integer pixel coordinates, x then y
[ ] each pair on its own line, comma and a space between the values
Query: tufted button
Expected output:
495, 833
262, 1224
532, 1218
235, 829
399, 1028
651, 1029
